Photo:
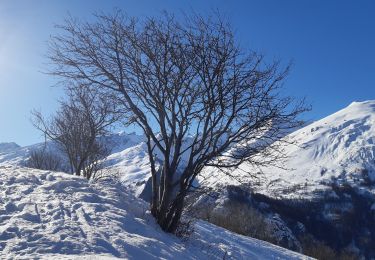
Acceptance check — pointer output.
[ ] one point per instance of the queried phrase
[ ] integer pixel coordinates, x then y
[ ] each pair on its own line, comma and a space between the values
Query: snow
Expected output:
47, 214
133, 166
12, 154
55, 215
340, 147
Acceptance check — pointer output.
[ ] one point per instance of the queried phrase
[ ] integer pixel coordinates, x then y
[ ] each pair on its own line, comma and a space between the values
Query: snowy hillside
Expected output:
127, 151
340, 148
11, 153
45, 215
328, 154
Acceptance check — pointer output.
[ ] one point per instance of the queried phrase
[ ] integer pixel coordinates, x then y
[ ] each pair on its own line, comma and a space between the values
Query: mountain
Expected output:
11, 153
340, 148
337, 149
322, 195
51, 215
324, 190
7, 147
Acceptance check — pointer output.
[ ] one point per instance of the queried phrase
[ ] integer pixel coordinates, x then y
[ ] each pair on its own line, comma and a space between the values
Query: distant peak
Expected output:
9, 144
366, 102
4, 147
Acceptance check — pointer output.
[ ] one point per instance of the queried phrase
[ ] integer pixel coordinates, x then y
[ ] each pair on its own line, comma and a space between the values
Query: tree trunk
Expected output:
166, 195
154, 198
170, 206
171, 217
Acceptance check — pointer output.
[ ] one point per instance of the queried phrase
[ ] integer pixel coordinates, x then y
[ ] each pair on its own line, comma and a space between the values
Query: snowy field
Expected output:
46, 215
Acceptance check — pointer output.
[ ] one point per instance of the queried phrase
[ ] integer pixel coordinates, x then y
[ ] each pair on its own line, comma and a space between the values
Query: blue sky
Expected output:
331, 44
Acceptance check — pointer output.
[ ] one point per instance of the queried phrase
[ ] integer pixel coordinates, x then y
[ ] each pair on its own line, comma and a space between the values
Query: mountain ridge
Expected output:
330, 166
341, 145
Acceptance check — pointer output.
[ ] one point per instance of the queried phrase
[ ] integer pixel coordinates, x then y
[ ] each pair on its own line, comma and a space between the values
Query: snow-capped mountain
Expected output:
13, 154
339, 148
325, 189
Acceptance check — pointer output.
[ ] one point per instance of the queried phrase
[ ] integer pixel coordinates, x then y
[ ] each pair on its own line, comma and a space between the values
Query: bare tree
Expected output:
44, 160
181, 81
76, 127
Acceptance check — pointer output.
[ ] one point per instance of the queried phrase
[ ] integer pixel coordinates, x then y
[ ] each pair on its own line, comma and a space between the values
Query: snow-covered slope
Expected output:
129, 160
340, 148
128, 155
12, 153
54, 215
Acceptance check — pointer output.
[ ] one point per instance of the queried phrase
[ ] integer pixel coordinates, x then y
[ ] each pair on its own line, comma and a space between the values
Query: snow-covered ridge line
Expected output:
7, 147
338, 147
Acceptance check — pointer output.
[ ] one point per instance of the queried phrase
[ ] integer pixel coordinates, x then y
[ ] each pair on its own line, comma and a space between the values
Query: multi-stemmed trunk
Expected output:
168, 210
167, 202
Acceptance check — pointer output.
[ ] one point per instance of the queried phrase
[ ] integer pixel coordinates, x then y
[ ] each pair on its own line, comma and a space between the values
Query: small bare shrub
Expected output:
242, 219
321, 251
43, 160
77, 126
105, 174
